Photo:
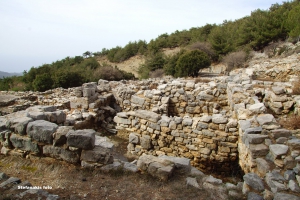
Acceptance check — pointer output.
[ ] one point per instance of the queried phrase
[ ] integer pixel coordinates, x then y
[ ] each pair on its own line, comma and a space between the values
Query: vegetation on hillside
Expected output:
229, 42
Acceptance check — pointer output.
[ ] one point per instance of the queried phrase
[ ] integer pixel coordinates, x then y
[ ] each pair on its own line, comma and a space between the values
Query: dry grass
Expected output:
291, 122
296, 87
73, 182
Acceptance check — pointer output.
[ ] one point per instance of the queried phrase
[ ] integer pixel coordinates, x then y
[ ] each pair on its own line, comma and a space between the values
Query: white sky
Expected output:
35, 32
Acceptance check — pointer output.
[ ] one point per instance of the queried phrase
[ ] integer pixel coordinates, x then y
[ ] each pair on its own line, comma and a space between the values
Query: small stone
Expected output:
294, 186
192, 182
254, 196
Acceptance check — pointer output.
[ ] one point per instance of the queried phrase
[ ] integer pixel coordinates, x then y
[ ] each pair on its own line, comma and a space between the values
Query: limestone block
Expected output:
258, 150
83, 139
137, 100
278, 150
280, 133
24, 143
148, 115
263, 119
19, 125
60, 136
262, 166
255, 130
278, 90
97, 155
120, 120
254, 138
41, 131
133, 138
294, 144
254, 181
145, 142
183, 164
219, 119
61, 153
258, 108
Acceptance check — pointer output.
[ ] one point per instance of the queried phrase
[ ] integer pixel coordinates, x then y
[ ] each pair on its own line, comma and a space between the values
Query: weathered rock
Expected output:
133, 138
254, 196
280, 133
120, 120
19, 125
275, 181
255, 130
160, 171
60, 136
254, 181
146, 142
24, 143
284, 196
9, 182
219, 119
104, 142
258, 150
262, 166
183, 164
294, 144
263, 119
257, 108
97, 155
60, 153
212, 180
148, 115
294, 186
84, 139
192, 182
278, 90
130, 167
278, 150
41, 131
137, 100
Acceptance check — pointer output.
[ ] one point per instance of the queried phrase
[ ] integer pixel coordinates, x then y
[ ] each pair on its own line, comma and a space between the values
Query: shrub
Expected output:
191, 62
235, 60
42, 82
205, 47
291, 122
109, 73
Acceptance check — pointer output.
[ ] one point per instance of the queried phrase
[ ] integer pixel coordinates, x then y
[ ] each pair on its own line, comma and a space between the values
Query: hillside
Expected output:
6, 74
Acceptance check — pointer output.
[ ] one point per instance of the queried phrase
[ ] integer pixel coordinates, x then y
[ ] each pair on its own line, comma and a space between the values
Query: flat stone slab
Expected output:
180, 163
278, 149
19, 124
265, 119
6, 100
9, 182
148, 115
277, 133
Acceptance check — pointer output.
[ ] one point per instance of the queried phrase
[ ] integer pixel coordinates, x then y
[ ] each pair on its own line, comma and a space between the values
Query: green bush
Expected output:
191, 62
42, 82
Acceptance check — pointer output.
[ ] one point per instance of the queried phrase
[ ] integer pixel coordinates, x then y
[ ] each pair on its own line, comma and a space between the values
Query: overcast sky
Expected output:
36, 32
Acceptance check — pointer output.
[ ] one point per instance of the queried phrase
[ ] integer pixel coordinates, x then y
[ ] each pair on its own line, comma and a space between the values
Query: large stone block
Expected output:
97, 155
41, 131
19, 125
137, 100
24, 143
83, 139
60, 153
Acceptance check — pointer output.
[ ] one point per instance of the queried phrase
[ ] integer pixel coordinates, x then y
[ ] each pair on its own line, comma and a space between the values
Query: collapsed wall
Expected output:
220, 125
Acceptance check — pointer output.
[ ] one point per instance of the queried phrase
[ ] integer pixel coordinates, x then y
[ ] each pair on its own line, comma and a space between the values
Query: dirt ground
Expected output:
73, 182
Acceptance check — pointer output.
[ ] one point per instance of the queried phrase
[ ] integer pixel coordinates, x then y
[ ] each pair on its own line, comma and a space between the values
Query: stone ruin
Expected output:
222, 125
